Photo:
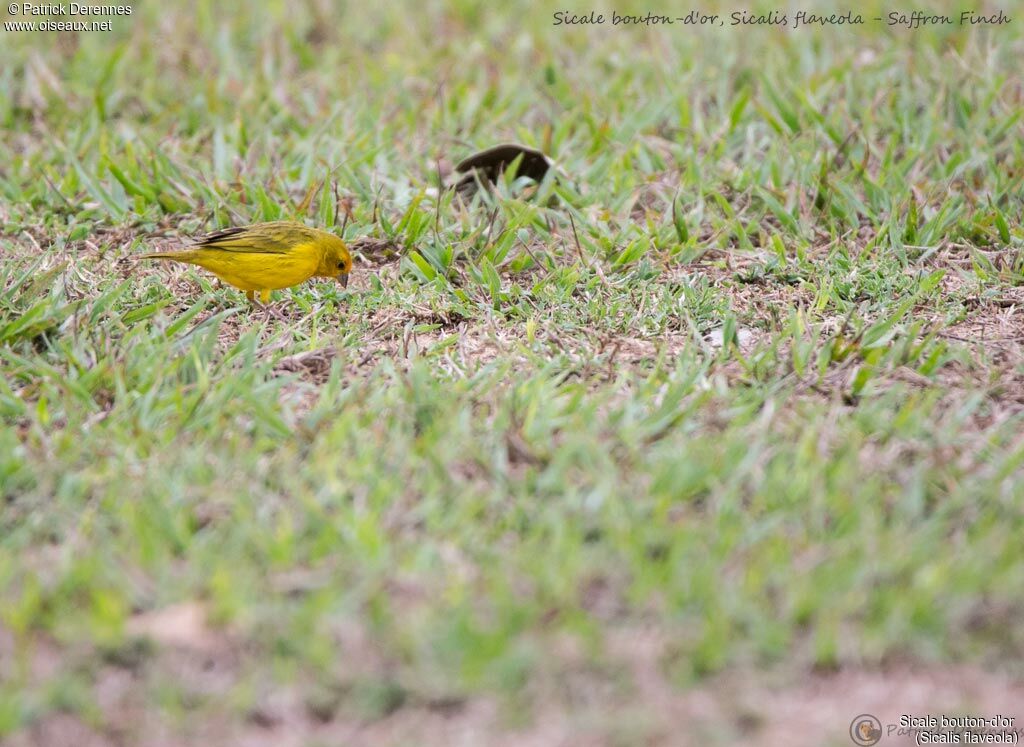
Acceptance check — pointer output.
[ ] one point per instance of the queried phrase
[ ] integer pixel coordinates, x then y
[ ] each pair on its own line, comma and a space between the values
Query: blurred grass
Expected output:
719, 382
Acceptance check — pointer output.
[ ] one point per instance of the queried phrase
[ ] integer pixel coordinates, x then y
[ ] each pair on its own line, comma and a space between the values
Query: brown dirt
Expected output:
766, 710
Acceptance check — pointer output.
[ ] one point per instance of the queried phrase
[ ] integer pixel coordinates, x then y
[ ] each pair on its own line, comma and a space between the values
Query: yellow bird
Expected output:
267, 256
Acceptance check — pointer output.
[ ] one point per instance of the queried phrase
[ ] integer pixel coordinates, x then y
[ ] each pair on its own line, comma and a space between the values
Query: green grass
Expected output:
748, 378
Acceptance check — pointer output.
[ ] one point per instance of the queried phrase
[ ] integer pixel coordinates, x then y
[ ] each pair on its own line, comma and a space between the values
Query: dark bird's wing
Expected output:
263, 238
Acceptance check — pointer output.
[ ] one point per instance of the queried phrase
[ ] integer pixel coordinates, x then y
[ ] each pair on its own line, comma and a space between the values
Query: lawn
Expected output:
716, 436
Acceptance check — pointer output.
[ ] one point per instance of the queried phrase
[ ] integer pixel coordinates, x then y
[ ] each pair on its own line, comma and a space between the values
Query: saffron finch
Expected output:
267, 256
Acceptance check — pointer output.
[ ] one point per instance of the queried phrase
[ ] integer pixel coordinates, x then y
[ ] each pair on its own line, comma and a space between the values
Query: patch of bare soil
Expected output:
757, 709
629, 699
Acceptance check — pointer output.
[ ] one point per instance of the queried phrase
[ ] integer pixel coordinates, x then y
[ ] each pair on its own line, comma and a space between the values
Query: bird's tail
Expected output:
174, 256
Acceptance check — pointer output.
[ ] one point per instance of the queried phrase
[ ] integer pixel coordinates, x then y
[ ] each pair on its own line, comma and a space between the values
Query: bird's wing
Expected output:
247, 240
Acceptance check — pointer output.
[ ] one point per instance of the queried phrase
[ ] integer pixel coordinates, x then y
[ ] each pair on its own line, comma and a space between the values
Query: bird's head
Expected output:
337, 262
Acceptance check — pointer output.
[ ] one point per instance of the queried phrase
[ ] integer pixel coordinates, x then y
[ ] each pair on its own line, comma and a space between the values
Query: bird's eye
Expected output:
341, 265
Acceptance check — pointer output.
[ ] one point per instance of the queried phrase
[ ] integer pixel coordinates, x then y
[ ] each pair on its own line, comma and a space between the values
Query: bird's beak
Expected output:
343, 279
